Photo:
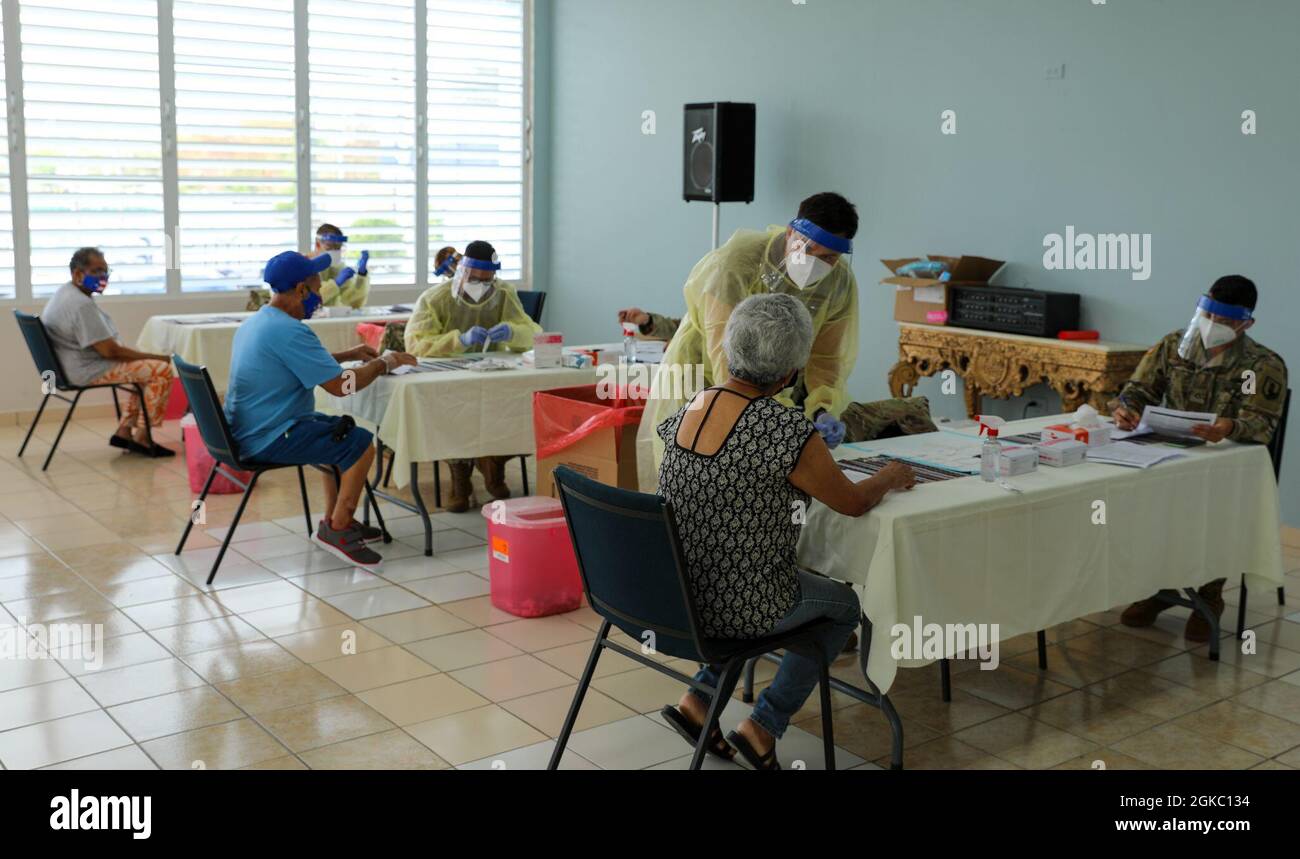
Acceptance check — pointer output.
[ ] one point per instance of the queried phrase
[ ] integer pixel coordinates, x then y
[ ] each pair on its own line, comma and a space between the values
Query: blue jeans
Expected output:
820, 597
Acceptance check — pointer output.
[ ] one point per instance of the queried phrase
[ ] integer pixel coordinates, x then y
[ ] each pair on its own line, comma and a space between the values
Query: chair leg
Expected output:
1241, 609
71, 408
721, 695
306, 502
144, 413
828, 730
523, 471
748, 695
117, 406
1281, 596
1042, 650
945, 680
437, 485
379, 517
31, 429
587, 673
230, 532
185, 535
388, 472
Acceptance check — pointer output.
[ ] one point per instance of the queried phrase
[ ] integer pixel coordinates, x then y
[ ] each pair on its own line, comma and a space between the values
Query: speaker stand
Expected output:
717, 223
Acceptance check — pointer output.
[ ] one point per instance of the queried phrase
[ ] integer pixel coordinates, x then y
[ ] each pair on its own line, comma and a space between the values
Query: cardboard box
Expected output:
547, 350
1092, 437
1014, 461
924, 299
606, 453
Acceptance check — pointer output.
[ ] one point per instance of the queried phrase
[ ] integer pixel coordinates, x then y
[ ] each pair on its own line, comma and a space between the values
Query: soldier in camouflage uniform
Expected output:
653, 326
1212, 367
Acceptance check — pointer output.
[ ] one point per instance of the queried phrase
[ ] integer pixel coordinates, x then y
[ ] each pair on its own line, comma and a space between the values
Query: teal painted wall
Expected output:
1143, 135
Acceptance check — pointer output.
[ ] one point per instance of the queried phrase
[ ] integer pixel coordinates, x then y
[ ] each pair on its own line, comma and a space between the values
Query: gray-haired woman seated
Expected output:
738, 466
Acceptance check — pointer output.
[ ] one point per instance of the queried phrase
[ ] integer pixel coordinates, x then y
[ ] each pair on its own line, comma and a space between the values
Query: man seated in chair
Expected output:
86, 343
276, 364
1212, 366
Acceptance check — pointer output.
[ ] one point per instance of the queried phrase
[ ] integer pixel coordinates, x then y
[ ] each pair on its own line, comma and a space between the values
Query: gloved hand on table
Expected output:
500, 332
831, 428
361, 263
344, 276
476, 336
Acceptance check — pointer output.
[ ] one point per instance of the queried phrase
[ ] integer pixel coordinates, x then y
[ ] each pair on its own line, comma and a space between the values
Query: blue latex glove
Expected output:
361, 263
831, 428
500, 332
476, 336
344, 276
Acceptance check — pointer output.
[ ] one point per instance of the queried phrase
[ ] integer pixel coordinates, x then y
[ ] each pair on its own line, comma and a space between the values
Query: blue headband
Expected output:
1218, 308
446, 265
480, 264
331, 237
830, 241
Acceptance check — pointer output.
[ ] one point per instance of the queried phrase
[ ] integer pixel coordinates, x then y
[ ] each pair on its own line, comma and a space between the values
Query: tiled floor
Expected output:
293, 660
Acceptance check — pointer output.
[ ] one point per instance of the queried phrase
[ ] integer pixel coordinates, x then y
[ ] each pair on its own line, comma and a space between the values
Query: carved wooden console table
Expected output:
1003, 365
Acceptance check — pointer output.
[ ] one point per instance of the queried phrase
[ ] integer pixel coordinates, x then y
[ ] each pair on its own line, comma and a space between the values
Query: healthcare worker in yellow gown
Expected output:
341, 285
805, 260
472, 312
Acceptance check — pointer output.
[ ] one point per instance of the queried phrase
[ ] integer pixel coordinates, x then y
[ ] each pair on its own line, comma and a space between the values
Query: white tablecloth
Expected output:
964, 551
452, 414
208, 343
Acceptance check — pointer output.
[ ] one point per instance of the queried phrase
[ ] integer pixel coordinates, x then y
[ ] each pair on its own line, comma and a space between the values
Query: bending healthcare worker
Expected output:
473, 311
805, 260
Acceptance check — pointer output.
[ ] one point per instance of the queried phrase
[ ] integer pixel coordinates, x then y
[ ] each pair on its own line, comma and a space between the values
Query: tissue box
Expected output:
1017, 460
1062, 452
1090, 436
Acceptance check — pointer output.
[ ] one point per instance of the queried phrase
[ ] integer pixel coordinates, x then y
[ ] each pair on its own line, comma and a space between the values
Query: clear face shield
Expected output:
1213, 325
332, 244
474, 278
448, 265
811, 253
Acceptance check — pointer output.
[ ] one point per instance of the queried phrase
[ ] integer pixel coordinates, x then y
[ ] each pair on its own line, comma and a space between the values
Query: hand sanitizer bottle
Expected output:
992, 451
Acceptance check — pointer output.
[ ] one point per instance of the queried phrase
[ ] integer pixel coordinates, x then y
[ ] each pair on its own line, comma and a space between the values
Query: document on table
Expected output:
1157, 419
1131, 455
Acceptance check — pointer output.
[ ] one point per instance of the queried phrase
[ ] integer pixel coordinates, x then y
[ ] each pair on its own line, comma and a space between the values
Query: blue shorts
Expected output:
310, 441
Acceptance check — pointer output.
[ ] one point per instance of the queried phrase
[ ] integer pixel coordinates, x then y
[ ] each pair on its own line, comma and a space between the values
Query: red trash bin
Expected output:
531, 563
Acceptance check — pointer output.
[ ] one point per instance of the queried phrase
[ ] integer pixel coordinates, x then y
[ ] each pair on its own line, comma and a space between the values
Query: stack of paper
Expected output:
1131, 455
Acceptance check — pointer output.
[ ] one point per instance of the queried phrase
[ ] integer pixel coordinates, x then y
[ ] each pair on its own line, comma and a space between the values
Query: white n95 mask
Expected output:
336, 258
804, 268
1215, 334
474, 290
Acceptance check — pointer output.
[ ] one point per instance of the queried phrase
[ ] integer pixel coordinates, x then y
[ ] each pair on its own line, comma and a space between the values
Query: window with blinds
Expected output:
6, 210
361, 57
94, 156
475, 127
235, 139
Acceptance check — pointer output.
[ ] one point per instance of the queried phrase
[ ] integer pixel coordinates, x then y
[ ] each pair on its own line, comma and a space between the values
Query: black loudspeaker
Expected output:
719, 154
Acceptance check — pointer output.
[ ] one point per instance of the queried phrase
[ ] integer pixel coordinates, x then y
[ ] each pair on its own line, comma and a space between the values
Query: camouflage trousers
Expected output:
887, 419
394, 337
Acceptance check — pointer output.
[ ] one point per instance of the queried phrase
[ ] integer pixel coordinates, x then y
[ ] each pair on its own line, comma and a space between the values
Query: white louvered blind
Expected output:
6, 209
93, 146
235, 139
362, 91
475, 121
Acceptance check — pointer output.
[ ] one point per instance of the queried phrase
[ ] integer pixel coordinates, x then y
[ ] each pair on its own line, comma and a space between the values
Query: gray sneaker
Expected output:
348, 544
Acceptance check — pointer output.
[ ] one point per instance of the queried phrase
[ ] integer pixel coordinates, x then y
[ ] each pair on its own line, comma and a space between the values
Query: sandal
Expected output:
765, 762
690, 732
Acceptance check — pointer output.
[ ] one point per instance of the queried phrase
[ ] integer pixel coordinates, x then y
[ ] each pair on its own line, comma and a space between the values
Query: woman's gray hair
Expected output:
767, 337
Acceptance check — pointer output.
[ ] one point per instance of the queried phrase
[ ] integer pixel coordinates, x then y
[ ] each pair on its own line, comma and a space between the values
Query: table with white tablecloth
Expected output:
205, 338
426, 417
963, 551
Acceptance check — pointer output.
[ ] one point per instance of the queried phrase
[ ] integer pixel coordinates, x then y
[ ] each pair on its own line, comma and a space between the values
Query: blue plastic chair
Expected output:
217, 438
533, 301
630, 559
54, 382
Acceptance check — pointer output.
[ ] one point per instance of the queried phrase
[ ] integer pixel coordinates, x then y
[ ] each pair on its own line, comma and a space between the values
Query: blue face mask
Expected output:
93, 283
310, 303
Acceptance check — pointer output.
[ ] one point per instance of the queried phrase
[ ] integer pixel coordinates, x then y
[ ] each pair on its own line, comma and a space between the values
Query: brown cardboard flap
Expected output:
965, 270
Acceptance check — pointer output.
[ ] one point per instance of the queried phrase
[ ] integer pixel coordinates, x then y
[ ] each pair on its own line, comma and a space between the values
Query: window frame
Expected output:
18, 190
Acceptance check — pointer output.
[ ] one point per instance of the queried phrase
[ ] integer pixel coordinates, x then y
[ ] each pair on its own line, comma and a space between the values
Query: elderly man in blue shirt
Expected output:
276, 364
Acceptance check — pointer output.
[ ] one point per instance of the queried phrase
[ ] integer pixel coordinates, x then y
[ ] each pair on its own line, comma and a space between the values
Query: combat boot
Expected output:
1198, 628
1143, 613
458, 496
493, 469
